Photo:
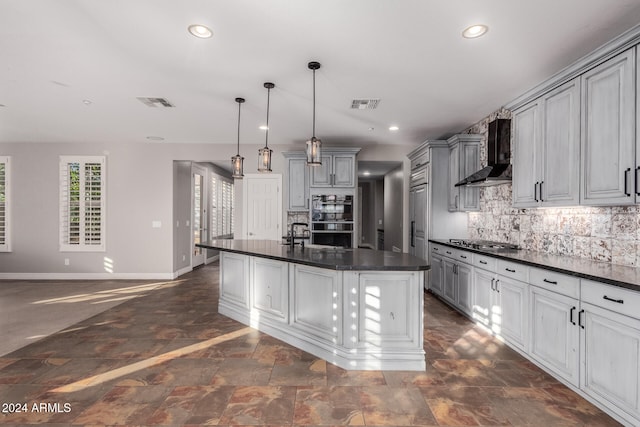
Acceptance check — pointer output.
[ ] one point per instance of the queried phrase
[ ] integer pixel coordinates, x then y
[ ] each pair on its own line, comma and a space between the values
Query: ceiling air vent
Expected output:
155, 102
365, 104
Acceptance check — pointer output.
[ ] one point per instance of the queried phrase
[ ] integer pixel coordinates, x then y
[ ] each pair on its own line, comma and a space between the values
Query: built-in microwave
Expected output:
332, 220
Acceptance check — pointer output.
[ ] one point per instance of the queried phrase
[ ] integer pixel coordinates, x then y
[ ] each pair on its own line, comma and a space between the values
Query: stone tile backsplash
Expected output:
609, 234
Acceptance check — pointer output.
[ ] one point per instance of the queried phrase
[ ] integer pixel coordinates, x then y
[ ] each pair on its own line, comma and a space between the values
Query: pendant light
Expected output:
237, 160
314, 145
264, 154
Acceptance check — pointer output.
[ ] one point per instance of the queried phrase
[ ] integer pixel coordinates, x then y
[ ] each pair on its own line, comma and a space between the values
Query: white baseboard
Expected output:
182, 271
212, 259
88, 276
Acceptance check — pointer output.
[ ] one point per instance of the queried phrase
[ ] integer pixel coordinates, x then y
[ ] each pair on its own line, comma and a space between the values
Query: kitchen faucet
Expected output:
292, 241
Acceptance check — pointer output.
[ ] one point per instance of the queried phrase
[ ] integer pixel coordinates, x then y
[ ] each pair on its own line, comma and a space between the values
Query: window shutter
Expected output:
4, 205
214, 208
82, 203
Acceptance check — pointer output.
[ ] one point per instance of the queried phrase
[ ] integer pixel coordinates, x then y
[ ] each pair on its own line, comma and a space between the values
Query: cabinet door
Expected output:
454, 177
526, 135
321, 174
270, 288
436, 274
298, 184
513, 316
469, 197
386, 308
555, 333
608, 132
611, 359
344, 170
483, 308
234, 279
316, 302
560, 179
418, 221
449, 291
463, 271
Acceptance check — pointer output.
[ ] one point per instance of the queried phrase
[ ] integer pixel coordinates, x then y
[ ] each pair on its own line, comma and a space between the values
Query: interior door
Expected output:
262, 207
198, 213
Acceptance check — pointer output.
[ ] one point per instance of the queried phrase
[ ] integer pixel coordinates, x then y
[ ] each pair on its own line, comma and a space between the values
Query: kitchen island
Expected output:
360, 309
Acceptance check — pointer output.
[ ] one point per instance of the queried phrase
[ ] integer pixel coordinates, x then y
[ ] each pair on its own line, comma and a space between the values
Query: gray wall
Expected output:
140, 189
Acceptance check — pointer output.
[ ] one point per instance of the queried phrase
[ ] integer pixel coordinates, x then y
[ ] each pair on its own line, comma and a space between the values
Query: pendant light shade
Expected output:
237, 160
264, 154
314, 145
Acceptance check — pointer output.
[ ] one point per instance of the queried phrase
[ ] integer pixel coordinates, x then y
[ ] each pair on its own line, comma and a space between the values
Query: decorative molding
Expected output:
605, 52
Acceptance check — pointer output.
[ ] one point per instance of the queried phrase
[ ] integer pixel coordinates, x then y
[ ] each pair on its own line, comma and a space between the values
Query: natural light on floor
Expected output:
147, 363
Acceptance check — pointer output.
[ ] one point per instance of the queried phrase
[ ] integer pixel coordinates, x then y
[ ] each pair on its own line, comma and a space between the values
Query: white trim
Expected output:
182, 271
88, 276
212, 259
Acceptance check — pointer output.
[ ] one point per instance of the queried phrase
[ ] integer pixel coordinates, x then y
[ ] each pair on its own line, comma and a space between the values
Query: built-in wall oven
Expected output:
332, 220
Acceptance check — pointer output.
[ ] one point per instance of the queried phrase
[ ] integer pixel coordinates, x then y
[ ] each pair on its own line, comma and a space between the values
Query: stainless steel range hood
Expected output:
498, 170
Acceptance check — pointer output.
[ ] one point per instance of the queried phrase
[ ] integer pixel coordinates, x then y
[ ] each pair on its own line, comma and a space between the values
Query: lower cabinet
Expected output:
449, 282
555, 333
270, 296
385, 310
436, 274
316, 303
234, 279
513, 311
465, 279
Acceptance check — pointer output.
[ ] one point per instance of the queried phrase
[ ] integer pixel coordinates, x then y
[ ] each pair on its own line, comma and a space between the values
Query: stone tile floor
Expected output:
167, 358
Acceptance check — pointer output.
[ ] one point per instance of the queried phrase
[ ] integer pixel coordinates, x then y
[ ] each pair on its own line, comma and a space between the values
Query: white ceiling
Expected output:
409, 53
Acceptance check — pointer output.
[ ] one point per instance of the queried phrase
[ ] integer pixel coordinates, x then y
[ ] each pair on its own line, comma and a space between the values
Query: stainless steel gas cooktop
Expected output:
483, 244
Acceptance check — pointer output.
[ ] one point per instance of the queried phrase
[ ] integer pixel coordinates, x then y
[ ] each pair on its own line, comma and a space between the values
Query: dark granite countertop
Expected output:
329, 258
618, 275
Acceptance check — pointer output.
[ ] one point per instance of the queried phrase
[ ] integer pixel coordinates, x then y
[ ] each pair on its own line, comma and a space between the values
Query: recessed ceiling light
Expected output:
86, 102
371, 129
366, 173
263, 127
200, 31
475, 31
393, 128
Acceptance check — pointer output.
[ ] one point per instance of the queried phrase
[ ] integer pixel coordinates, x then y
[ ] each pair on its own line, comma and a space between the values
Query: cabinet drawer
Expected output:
464, 256
556, 282
418, 176
485, 262
420, 161
437, 249
514, 270
614, 298
450, 252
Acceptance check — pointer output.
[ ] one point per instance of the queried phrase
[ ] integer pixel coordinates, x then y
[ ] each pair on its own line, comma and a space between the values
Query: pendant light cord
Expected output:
314, 104
239, 104
266, 138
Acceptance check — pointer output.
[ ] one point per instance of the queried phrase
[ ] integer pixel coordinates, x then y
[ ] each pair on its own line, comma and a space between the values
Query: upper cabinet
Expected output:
464, 159
547, 149
608, 132
338, 169
297, 181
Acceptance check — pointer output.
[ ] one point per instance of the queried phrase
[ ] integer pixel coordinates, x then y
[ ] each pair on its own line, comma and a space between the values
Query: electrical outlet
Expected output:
184, 257
66, 261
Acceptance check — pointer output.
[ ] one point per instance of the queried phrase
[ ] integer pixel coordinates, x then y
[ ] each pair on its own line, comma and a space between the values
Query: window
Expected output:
5, 200
221, 207
82, 203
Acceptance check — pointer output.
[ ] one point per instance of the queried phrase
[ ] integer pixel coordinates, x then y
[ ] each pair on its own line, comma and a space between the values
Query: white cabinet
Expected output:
485, 308
316, 303
297, 181
234, 279
269, 288
338, 169
464, 159
385, 309
554, 338
547, 149
457, 279
436, 273
610, 353
512, 315
418, 220
609, 132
